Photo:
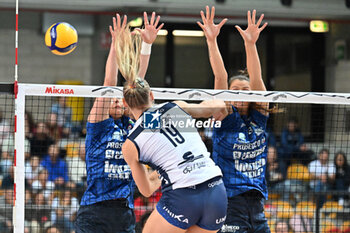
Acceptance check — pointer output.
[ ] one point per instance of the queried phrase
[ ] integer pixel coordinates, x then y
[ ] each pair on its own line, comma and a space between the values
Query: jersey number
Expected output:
173, 135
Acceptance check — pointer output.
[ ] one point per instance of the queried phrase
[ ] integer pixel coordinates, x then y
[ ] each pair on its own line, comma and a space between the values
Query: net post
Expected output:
19, 169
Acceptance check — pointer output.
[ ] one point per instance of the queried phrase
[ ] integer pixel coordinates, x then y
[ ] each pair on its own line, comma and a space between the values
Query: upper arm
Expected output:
138, 170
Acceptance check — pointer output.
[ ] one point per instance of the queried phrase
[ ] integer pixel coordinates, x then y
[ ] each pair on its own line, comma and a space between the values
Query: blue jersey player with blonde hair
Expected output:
107, 204
239, 146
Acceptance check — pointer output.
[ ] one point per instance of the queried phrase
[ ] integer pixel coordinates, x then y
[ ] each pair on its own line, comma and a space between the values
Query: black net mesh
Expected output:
6, 162
307, 173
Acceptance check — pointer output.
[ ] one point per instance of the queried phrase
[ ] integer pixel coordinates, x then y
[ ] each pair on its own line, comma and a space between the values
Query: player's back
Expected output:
167, 140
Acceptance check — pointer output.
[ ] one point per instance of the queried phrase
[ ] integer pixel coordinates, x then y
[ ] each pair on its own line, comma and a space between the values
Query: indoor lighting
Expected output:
136, 22
162, 32
319, 26
192, 33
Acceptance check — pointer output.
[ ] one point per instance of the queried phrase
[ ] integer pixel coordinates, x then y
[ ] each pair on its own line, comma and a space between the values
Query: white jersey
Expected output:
167, 140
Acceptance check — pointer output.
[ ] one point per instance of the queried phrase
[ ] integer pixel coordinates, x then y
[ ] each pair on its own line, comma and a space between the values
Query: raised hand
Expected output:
149, 33
210, 29
251, 34
117, 28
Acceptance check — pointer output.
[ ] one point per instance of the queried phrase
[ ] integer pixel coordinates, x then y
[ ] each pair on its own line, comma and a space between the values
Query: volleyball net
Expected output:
45, 177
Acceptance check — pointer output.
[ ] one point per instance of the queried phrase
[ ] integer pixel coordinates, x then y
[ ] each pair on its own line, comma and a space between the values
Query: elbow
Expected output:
146, 193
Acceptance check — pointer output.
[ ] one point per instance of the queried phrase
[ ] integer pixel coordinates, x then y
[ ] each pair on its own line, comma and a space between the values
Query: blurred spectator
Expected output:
292, 144
32, 169
42, 184
65, 207
63, 112
8, 148
142, 222
76, 166
271, 139
56, 167
300, 223
40, 213
342, 176
4, 127
281, 227
6, 203
8, 180
41, 141
52, 229
29, 125
55, 131
323, 173
275, 170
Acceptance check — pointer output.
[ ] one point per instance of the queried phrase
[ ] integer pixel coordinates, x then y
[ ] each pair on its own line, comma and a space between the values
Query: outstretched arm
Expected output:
208, 108
146, 182
211, 32
148, 35
100, 109
250, 36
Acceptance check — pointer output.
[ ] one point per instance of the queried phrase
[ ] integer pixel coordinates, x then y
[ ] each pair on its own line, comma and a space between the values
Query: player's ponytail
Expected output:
128, 47
136, 93
136, 90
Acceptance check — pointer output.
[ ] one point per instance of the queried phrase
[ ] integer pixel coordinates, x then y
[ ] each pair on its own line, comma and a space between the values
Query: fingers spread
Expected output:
157, 21
249, 18
212, 14
145, 18
124, 21
222, 23
201, 25
260, 20
118, 21
263, 27
253, 17
160, 27
152, 18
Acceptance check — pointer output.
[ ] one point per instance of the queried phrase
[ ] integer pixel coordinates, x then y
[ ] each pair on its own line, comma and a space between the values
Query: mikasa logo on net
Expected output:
54, 90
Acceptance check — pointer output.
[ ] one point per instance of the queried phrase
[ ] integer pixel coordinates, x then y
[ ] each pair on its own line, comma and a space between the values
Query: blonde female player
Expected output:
239, 145
107, 204
194, 197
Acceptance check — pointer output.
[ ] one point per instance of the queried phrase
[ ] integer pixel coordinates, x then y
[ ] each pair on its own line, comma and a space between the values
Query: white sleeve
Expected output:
312, 167
331, 169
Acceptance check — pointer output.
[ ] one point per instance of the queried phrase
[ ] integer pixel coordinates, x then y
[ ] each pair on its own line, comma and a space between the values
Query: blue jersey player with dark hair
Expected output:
240, 146
107, 204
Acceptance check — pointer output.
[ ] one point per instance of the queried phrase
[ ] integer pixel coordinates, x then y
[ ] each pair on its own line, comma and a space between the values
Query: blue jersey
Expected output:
240, 150
108, 175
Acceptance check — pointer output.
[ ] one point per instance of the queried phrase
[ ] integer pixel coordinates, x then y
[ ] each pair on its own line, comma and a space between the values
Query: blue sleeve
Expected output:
259, 118
65, 170
54, 108
230, 121
98, 128
301, 139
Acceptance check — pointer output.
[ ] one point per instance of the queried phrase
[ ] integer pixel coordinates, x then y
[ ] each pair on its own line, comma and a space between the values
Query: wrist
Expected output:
145, 48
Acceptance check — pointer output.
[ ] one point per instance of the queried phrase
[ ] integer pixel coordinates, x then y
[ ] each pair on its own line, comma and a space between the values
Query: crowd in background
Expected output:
55, 173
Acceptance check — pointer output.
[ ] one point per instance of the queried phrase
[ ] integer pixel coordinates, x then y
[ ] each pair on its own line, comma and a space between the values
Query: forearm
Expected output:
217, 65
144, 61
254, 67
111, 70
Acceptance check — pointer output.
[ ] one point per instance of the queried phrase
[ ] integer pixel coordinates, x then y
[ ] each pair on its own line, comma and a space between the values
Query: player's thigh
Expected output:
157, 224
197, 229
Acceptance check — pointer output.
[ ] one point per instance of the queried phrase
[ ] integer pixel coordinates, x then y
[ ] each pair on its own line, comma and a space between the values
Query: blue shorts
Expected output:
245, 213
203, 205
106, 217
